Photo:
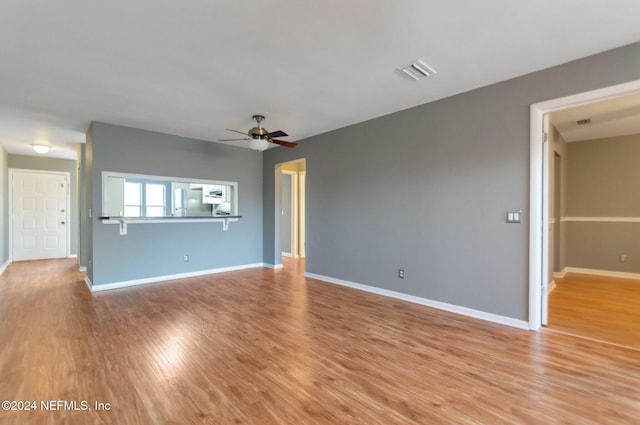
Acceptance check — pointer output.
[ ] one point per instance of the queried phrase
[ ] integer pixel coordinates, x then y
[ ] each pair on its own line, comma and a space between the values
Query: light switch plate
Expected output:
514, 216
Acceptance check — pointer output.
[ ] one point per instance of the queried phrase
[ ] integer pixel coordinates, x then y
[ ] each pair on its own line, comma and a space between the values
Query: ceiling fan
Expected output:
259, 138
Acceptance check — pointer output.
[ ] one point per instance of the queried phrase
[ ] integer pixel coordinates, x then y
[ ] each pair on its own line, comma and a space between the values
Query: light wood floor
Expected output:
266, 347
601, 308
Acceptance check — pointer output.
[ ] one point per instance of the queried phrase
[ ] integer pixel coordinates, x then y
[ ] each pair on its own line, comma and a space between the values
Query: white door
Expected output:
39, 215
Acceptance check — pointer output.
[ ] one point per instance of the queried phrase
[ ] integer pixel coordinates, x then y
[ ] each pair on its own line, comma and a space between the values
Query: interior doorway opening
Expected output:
594, 221
291, 211
542, 211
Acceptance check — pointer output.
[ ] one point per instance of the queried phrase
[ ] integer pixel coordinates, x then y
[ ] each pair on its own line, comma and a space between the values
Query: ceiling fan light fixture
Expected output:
258, 144
41, 149
260, 139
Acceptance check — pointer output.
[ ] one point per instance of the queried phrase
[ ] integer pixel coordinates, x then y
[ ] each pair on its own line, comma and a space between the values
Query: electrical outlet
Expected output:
186, 257
623, 258
401, 273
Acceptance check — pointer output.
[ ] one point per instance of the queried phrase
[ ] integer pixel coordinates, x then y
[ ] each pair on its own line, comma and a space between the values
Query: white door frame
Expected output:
278, 207
302, 237
67, 175
538, 249
294, 212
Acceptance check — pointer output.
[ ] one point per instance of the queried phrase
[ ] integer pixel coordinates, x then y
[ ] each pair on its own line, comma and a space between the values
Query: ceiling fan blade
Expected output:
236, 131
232, 140
278, 133
283, 143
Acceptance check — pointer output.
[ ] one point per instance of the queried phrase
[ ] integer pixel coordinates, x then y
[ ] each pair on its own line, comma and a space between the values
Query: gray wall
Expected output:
287, 215
426, 189
557, 194
602, 181
603, 177
4, 206
43, 163
151, 250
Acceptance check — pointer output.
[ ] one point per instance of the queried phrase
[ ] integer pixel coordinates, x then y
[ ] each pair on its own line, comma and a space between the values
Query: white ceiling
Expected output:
194, 68
609, 118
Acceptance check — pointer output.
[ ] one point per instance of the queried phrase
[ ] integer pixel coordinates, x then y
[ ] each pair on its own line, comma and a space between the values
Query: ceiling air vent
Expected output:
418, 70
584, 121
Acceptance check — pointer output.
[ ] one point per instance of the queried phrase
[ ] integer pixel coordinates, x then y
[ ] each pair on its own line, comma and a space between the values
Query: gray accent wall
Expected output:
44, 163
603, 177
155, 250
4, 206
426, 189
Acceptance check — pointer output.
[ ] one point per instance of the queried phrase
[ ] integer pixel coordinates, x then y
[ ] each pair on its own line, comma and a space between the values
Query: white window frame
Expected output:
106, 174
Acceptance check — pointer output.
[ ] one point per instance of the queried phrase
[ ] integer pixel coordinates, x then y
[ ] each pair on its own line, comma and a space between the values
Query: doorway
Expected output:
542, 257
596, 284
292, 211
38, 214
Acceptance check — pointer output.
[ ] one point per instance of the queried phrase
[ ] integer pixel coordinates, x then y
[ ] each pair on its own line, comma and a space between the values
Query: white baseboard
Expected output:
477, 314
551, 287
561, 274
73, 256
272, 266
287, 254
136, 282
607, 273
82, 268
87, 281
4, 266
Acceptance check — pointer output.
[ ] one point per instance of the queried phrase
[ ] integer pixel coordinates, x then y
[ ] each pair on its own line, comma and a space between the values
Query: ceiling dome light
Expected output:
258, 144
43, 149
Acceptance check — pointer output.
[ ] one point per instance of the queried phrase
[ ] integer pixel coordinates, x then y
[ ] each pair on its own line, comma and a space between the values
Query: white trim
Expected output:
544, 305
4, 266
82, 268
293, 161
552, 221
607, 273
72, 256
87, 281
602, 219
302, 237
535, 218
537, 162
294, 212
272, 266
552, 286
278, 206
477, 314
125, 221
561, 274
107, 174
135, 282
67, 219
287, 254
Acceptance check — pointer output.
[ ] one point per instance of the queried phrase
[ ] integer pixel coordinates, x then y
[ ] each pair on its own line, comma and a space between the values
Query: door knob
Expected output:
62, 222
